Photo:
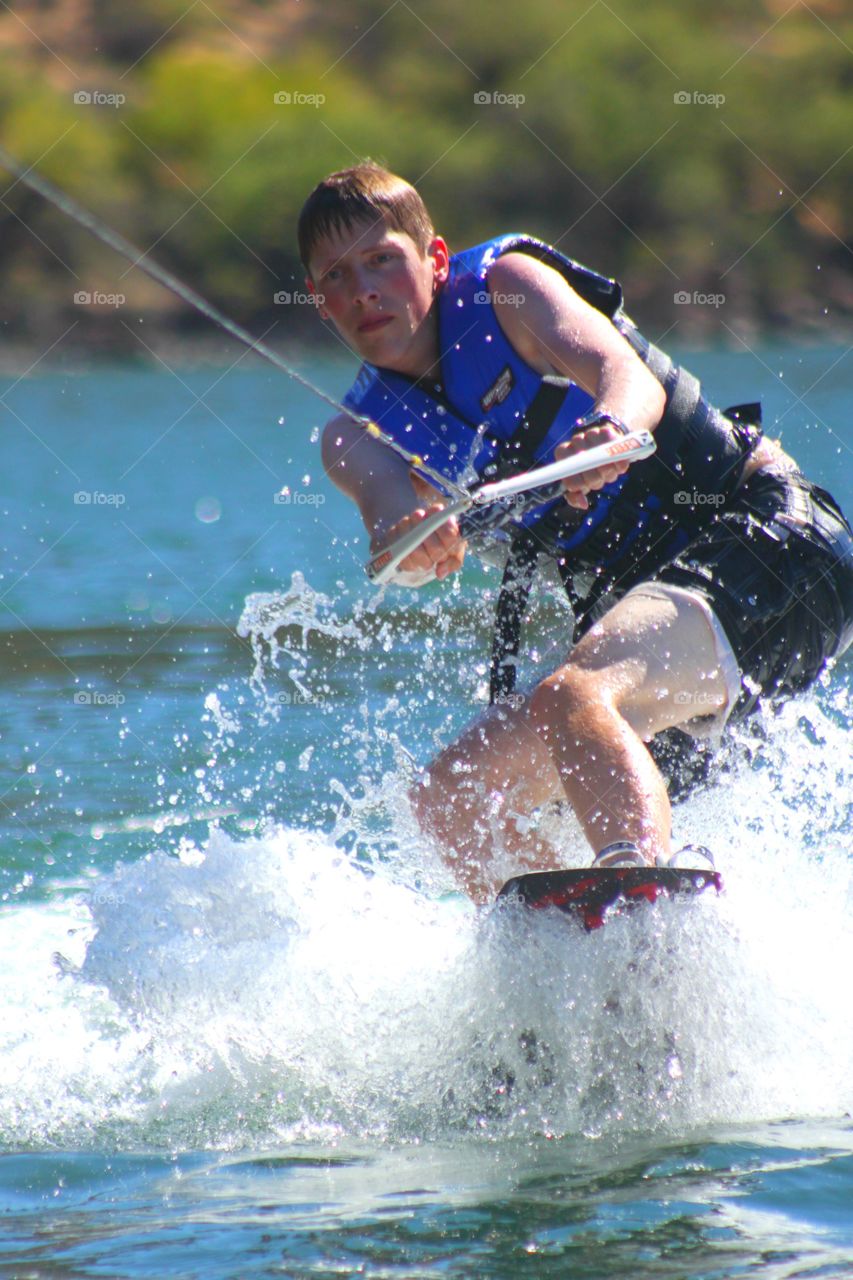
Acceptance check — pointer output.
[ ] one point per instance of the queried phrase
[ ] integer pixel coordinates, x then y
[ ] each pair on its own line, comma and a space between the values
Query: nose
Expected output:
364, 287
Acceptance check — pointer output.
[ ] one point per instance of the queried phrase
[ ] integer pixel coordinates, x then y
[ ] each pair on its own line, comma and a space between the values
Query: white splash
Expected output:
266, 614
251, 989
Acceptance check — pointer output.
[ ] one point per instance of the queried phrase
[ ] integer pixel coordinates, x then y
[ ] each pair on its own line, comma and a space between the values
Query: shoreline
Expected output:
167, 348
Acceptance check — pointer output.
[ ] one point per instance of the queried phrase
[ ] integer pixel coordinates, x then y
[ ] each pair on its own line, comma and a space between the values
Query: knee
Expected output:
570, 694
442, 789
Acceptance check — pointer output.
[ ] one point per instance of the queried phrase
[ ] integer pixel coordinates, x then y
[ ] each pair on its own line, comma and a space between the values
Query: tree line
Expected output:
701, 155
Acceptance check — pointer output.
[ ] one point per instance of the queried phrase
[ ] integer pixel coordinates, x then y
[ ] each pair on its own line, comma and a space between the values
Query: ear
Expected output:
440, 255
318, 298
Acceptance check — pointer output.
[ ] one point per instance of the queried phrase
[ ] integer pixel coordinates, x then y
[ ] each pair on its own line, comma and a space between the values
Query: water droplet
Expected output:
208, 510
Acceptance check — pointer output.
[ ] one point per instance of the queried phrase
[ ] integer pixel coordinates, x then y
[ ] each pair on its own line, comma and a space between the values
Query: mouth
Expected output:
374, 323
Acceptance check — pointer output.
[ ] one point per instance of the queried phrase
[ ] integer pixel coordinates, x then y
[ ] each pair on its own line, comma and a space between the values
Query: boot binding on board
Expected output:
622, 853
692, 857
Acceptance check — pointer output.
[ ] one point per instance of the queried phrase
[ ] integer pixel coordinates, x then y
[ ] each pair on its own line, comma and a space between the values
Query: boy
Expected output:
701, 578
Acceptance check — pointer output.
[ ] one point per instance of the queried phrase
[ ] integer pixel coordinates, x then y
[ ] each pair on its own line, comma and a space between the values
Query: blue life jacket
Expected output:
487, 412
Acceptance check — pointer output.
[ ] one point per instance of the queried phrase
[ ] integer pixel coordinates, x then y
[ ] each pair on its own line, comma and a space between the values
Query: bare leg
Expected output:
480, 791
649, 664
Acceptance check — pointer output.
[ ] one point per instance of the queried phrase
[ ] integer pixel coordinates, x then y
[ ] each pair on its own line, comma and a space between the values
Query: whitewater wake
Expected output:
274, 986
296, 983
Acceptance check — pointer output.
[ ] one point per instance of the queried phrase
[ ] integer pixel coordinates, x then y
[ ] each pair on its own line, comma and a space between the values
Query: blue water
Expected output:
247, 1029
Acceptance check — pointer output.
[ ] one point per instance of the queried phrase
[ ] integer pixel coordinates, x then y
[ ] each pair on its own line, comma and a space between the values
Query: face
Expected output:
377, 289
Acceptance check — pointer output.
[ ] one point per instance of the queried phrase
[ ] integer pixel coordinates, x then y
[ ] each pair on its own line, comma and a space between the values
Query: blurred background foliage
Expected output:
678, 146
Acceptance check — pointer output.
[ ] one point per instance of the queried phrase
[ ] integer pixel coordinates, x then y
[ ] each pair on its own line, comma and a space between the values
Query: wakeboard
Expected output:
592, 895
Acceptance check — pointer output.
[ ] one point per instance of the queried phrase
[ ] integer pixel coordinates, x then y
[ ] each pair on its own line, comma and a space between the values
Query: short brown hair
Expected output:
363, 193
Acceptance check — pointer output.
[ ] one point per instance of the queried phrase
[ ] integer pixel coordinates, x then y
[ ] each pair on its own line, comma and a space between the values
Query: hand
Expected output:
441, 554
577, 487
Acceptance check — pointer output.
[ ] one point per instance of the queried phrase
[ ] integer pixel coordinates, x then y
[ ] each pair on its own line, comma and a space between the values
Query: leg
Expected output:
479, 792
650, 663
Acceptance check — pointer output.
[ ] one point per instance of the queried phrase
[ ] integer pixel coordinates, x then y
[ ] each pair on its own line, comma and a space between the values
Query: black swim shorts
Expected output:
776, 566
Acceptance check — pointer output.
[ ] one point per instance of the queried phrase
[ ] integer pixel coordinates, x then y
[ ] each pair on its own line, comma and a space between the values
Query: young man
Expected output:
701, 578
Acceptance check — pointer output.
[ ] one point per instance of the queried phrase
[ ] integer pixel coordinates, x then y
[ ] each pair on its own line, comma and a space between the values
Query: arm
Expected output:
391, 498
555, 331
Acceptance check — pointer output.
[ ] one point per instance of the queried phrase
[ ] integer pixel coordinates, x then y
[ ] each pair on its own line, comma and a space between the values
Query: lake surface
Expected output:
247, 1027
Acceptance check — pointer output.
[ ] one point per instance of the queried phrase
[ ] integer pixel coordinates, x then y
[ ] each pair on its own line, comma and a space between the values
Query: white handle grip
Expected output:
629, 448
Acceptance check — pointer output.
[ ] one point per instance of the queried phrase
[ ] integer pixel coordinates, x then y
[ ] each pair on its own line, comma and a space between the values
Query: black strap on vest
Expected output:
519, 572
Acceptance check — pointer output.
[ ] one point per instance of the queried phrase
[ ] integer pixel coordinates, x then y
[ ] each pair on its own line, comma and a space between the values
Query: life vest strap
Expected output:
519, 572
